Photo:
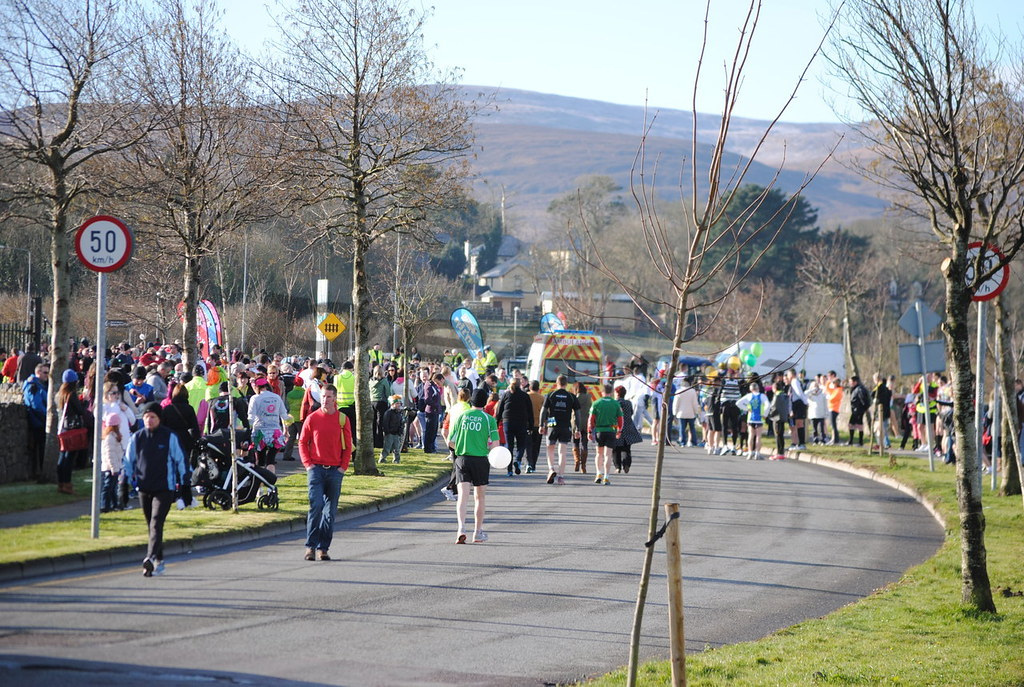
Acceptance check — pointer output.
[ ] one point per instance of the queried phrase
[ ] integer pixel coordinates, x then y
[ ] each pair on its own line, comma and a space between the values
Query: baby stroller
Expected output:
212, 474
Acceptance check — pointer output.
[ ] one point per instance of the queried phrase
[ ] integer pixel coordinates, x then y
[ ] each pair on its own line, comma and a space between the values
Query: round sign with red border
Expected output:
104, 243
994, 285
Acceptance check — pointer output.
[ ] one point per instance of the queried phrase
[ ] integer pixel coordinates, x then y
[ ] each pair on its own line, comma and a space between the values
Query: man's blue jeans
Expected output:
324, 490
691, 424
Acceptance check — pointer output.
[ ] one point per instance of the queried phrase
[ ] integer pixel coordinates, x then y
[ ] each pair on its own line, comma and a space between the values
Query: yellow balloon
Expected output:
734, 363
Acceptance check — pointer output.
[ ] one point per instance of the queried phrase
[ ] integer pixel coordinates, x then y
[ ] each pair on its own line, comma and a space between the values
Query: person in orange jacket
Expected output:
834, 398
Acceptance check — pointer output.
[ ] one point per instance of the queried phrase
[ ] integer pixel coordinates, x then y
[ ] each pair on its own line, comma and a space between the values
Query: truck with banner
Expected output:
575, 354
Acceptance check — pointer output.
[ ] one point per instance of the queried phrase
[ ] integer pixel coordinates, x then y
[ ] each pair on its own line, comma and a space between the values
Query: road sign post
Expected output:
104, 244
991, 260
921, 358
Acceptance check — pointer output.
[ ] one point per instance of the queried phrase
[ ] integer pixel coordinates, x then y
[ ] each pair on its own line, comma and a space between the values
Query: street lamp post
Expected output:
28, 285
515, 327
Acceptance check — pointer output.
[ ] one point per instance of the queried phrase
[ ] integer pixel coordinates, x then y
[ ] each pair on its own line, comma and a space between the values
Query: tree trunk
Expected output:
190, 298
975, 588
652, 520
851, 360
364, 462
60, 256
1010, 430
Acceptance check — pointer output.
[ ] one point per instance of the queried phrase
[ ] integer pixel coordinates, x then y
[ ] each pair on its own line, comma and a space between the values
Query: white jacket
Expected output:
817, 404
686, 403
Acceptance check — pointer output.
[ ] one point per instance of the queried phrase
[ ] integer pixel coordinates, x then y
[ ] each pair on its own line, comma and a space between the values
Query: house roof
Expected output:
491, 294
502, 268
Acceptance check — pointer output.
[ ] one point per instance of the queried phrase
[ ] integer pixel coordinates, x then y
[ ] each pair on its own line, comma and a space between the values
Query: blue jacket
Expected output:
34, 393
155, 460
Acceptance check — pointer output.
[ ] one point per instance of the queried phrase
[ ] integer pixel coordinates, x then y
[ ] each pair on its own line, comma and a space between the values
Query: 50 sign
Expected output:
104, 243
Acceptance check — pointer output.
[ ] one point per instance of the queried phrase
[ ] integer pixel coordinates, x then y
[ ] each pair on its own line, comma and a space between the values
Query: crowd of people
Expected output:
154, 412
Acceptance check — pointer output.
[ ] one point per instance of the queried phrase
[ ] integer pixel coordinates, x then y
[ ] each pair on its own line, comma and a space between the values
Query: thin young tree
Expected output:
376, 133
59, 74
839, 266
410, 292
946, 122
709, 256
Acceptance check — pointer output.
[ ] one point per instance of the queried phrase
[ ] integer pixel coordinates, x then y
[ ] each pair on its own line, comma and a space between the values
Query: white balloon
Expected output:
499, 457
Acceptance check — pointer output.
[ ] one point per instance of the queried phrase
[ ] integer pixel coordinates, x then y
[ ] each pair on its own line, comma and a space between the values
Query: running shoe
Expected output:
516, 468
605, 481
159, 569
449, 495
530, 470
480, 537
778, 457
310, 555
147, 568
461, 539
597, 480
551, 477
560, 480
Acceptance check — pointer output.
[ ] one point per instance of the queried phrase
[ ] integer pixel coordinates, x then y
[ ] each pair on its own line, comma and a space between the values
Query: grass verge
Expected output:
914, 632
127, 528
20, 496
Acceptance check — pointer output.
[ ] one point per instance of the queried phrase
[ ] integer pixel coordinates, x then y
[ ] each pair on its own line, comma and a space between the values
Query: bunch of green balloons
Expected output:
749, 356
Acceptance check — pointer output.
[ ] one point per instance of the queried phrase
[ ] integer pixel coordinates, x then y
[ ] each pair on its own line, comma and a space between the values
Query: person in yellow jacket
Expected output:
490, 359
376, 356
480, 363
345, 381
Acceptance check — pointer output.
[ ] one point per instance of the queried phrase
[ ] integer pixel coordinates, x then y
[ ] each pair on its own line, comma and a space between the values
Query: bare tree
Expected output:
717, 247
411, 293
57, 73
947, 124
841, 270
375, 146
208, 169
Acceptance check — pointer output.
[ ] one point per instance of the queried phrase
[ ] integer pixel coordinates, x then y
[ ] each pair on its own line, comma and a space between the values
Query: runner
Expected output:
605, 427
474, 434
561, 415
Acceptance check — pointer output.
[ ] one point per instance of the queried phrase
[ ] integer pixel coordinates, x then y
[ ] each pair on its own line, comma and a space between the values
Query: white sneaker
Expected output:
449, 495
180, 503
480, 537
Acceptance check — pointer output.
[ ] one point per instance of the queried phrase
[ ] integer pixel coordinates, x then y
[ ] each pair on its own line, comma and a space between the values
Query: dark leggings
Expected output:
731, 421
65, 464
622, 457
155, 506
780, 436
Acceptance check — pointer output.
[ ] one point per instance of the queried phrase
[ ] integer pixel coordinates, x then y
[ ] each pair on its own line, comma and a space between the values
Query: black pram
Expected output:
212, 474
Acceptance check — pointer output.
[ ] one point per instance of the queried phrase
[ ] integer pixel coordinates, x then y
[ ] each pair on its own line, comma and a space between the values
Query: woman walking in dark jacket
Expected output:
179, 417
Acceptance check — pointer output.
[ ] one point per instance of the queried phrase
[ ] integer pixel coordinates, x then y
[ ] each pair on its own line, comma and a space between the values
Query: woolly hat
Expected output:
70, 377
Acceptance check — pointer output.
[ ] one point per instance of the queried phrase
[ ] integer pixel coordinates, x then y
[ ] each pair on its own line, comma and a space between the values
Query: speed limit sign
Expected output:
990, 259
104, 243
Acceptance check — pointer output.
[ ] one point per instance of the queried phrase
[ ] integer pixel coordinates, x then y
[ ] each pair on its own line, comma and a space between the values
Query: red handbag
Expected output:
73, 439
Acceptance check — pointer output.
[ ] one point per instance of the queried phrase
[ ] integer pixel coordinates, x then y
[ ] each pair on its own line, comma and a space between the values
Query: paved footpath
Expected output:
549, 599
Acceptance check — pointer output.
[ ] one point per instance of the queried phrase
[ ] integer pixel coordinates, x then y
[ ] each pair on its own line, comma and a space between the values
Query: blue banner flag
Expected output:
551, 323
468, 330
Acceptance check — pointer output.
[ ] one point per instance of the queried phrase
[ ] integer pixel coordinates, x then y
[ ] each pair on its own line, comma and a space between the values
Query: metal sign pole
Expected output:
97, 439
929, 434
979, 393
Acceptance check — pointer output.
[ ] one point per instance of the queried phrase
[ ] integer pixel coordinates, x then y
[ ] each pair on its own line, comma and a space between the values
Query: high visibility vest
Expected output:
376, 357
346, 383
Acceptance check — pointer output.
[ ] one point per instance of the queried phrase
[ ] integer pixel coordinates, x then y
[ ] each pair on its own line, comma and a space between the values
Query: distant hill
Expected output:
537, 146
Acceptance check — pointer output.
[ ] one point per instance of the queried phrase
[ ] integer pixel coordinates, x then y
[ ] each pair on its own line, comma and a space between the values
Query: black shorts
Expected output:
857, 417
473, 469
798, 411
606, 439
716, 421
560, 435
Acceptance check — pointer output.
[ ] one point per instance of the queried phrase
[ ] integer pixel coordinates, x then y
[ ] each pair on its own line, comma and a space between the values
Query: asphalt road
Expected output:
548, 599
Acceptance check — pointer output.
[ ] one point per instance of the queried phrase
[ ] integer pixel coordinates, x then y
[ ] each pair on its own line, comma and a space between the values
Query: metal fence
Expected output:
14, 336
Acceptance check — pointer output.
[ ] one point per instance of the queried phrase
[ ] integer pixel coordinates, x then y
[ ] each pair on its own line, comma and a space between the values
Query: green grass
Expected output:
20, 496
127, 528
914, 632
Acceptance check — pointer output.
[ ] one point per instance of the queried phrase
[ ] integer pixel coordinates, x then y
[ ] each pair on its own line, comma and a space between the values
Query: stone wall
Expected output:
13, 442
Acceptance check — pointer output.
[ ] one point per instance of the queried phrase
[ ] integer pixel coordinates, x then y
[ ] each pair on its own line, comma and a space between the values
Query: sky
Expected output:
646, 54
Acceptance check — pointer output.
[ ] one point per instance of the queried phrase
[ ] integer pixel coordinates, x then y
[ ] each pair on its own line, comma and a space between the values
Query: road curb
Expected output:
874, 476
12, 572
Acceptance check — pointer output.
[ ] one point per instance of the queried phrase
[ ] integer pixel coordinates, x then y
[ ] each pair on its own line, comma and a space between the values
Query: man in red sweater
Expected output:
325, 447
